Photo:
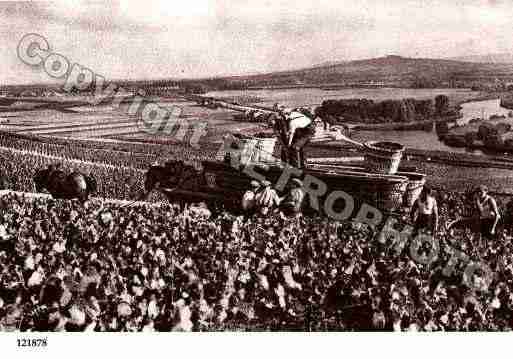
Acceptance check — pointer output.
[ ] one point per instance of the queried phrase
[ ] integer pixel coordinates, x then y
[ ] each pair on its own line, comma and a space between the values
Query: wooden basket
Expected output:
264, 150
253, 150
416, 183
390, 196
383, 157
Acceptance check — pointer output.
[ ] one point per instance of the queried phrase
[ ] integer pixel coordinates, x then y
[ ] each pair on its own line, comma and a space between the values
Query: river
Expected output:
421, 140
315, 96
451, 177
424, 140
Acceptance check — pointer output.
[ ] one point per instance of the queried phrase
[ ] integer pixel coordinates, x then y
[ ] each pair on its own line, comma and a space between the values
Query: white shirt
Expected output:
248, 200
297, 120
35, 279
29, 263
153, 310
267, 198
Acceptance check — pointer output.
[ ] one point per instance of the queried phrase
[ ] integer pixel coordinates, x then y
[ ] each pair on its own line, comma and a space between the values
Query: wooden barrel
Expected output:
251, 150
383, 157
263, 150
383, 191
415, 185
390, 196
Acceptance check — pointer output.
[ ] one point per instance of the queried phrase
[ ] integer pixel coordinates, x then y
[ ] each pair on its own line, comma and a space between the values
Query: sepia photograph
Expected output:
255, 166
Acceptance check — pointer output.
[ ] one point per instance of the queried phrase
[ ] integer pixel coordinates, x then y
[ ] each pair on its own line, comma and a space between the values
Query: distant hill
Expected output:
389, 70
503, 58
329, 63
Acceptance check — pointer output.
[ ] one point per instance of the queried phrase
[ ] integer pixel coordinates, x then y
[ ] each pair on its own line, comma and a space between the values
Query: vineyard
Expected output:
109, 124
179, 269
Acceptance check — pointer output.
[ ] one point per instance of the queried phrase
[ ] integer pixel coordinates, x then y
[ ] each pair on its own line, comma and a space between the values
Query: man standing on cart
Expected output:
295, 130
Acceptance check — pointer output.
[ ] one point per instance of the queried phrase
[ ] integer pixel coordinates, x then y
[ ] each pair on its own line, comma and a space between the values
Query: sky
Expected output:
150, 39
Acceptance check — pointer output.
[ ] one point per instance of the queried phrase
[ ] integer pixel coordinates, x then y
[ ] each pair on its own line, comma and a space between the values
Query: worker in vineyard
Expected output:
292, 204
4, 182
488, 212
484, 219
279, 124
424, 213
300, 129
248, 199
266, 199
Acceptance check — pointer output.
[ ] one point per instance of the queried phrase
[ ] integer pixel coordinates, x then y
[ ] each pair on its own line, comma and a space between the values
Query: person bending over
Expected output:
266, 199
248, 199
296, 130
292, 204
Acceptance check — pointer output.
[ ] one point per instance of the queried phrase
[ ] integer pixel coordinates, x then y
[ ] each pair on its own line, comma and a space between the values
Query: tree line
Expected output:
369, 111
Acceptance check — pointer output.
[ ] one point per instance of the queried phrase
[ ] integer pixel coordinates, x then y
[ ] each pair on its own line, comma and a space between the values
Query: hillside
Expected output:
389, 70
383, 71
501, 58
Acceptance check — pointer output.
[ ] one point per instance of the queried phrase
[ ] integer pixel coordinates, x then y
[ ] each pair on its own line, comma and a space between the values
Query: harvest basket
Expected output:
416, 183
383, 157
390, 196
256, 150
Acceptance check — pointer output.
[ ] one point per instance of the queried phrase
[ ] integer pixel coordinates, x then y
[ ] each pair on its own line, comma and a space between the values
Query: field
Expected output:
101, 134
104, 122
218, 276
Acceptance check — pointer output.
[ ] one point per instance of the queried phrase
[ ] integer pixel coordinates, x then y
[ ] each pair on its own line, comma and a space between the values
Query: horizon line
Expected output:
327, 63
